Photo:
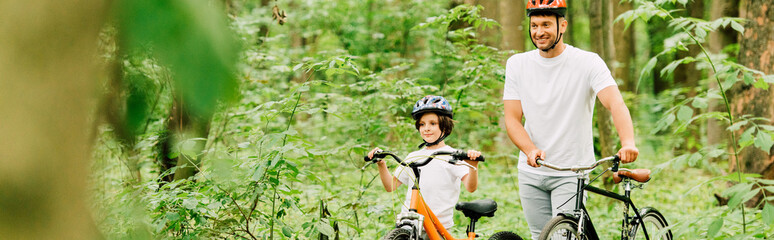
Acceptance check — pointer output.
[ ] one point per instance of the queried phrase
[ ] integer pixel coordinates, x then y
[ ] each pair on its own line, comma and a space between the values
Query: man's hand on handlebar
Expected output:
628, 154
533, 155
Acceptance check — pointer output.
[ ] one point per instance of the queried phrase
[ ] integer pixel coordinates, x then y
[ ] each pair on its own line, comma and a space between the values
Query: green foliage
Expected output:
188, 37
249, 182
338, 79
144, 82
692, 31
462, 13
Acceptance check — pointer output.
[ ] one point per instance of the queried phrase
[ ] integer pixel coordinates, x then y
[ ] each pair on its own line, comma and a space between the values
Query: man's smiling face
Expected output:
543, 30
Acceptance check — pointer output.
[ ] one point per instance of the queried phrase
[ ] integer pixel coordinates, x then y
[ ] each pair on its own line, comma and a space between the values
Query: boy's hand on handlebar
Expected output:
533, 155
472, 155
628, 154
371, 153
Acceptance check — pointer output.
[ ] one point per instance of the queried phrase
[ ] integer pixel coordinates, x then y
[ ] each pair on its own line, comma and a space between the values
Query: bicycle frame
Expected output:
586, 226
432, 225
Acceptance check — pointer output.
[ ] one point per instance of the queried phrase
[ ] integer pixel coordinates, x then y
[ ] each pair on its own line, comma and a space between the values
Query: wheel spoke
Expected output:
560, 228
655, 225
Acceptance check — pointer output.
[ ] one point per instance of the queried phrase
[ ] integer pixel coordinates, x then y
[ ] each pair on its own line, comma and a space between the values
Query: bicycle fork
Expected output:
579, 205
586, 228
412, 221
580, 210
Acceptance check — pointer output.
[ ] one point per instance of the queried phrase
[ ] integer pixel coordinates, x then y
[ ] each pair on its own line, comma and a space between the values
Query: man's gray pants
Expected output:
536, 191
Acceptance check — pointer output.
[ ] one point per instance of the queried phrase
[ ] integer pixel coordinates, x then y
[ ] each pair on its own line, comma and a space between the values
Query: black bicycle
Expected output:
647, 223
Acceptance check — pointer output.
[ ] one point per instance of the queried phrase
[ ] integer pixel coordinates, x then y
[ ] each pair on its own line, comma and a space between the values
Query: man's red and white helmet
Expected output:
558, 7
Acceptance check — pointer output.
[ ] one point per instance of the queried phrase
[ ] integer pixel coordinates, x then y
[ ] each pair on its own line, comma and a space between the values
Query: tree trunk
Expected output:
723, 36
182, 127
716, 132
624, 48
231, 8
490, 36
600, 26
572, 14
512, 16
49, 68
263, 31
114, 110
514, 34
756, 52
600, 13
607, 32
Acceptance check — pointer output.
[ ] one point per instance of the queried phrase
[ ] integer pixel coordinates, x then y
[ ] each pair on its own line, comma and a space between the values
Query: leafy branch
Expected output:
695, 31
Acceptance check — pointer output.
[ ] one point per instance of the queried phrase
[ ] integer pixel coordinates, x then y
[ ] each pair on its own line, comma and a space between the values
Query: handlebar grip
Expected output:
377, 155
464, 156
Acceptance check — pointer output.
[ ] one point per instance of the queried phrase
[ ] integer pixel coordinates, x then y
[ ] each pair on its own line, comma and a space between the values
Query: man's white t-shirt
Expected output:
439, 183
557, 97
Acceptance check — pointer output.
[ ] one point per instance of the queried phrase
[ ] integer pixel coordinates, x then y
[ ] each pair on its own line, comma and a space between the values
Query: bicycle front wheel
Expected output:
398, 234
505, 236
561, 228
655, 224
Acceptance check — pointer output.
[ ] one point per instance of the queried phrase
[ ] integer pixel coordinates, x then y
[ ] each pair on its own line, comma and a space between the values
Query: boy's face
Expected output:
429, 127
543, 30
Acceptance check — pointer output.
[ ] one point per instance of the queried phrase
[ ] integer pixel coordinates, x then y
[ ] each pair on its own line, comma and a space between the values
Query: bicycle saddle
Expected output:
477, 209
640, 175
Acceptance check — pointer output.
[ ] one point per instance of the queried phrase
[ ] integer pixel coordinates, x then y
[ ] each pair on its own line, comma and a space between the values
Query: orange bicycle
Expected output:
410, 225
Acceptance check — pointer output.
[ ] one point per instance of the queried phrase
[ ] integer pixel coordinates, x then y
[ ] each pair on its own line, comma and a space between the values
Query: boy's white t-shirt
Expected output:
439, 183
557, 97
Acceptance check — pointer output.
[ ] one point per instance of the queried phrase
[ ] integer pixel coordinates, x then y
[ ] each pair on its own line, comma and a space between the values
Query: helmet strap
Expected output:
436, 142
530, 38
559, 36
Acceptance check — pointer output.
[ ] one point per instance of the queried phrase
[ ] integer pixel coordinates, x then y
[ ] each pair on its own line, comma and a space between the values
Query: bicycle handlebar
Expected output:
457, 156
615, 159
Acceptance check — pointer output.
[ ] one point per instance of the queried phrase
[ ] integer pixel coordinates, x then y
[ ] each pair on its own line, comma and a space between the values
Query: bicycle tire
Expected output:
505, 235
398, 234
654, 223
561, 227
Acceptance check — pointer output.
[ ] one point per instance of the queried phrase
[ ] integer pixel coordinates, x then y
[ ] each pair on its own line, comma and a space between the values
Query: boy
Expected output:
440, 181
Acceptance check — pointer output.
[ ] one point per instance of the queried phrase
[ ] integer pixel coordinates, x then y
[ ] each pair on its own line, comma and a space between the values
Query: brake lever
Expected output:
465, 164
366, 165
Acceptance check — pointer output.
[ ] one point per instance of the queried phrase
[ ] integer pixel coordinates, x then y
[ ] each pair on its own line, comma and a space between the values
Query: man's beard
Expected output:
549, 42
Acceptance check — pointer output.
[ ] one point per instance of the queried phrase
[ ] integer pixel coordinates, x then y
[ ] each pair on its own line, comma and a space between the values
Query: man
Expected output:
554, 89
